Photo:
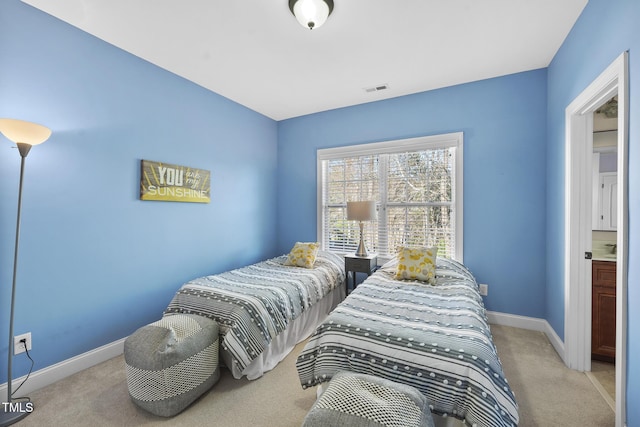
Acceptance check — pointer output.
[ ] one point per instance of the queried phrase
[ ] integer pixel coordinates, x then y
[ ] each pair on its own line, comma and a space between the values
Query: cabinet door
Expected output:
603, 324
595, 194
608, 201
603, 311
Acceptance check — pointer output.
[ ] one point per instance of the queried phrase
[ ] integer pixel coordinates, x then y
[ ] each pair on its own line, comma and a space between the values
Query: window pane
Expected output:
340, 236
336, 169
419, 177
441, 174
354, 178
348, 179
421, 226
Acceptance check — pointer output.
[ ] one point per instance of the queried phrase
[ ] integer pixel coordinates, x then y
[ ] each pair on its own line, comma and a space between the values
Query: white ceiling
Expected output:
255, 52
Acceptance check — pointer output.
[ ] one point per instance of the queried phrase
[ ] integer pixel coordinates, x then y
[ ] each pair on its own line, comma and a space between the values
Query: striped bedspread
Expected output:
435, 338
253, 304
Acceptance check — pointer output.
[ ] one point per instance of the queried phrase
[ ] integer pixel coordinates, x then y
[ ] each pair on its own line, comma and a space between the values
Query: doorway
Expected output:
603, 248
578, 224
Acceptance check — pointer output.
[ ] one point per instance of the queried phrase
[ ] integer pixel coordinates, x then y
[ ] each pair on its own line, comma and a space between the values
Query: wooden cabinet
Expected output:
603, 311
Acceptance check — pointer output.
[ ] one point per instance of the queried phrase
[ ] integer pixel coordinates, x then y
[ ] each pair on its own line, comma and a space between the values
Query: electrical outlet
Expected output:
18, 347
484, 289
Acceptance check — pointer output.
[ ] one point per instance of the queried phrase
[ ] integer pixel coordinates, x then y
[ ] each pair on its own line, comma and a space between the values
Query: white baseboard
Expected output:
531, 323
53, 373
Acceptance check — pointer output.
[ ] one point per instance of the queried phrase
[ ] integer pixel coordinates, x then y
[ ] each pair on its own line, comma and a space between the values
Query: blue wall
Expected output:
605, 29
503, 121
95, 261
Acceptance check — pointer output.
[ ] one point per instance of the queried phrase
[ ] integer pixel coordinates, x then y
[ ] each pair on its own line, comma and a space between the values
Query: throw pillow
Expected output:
303, 254
417, 264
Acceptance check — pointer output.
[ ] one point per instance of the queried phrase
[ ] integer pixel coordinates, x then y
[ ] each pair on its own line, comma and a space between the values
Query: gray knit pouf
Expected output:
172, 362
359, 400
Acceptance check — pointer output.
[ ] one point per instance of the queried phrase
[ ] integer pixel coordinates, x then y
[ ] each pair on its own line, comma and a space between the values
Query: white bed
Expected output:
434, 337
264, 309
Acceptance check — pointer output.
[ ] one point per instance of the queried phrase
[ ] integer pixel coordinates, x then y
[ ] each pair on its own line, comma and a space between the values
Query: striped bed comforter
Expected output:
435, 338
253, 304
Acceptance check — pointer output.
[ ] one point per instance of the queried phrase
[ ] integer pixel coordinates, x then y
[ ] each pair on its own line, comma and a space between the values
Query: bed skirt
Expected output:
297, 331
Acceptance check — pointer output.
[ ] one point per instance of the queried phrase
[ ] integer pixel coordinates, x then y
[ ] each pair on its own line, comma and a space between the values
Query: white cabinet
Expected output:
608, 201
595, 194
604, 197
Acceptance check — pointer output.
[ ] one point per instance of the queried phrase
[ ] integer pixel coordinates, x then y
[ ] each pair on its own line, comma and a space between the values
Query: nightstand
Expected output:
356, 264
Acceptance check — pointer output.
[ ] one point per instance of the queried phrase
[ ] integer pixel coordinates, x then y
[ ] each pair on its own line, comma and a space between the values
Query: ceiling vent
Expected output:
376, 88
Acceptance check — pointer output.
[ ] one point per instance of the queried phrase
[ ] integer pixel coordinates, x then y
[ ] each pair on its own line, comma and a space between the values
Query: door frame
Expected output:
578, 223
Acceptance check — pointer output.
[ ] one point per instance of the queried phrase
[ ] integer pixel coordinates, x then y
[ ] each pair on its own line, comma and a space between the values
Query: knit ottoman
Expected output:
171, 362
359, 400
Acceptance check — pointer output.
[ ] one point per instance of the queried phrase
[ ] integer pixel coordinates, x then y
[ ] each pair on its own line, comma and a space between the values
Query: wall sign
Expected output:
174, 183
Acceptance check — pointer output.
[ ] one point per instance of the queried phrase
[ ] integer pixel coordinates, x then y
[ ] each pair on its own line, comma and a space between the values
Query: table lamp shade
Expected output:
361, 211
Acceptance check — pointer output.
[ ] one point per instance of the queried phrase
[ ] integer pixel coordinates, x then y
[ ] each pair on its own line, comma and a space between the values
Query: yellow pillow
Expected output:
303, 254
417, 264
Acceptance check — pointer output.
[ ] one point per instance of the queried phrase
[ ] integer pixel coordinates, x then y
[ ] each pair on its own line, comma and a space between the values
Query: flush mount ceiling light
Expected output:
311, 13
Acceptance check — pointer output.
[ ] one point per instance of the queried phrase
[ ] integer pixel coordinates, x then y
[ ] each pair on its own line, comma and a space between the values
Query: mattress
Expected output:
433, 337
255, 304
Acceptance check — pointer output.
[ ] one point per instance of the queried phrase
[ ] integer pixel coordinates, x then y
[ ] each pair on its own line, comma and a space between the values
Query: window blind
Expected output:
415, 188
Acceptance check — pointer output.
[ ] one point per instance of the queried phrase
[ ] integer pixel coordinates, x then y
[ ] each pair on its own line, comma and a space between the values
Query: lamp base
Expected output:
362, 249
12, 412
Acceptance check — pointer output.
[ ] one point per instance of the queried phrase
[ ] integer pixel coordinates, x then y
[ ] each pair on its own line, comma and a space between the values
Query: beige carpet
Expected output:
603, 377
548, 394
605, 374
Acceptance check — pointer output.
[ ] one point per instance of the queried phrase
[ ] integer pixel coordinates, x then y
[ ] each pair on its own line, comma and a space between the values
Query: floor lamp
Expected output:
25, 135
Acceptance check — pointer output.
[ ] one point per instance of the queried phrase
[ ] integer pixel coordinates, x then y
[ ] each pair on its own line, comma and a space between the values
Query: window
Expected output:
416, 183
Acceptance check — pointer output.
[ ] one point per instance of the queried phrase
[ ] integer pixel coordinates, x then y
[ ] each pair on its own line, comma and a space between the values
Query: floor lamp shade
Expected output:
361, 211
25, 135
24, 132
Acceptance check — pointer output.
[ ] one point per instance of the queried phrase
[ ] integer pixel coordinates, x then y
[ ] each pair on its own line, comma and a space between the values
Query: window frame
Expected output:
455, 140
